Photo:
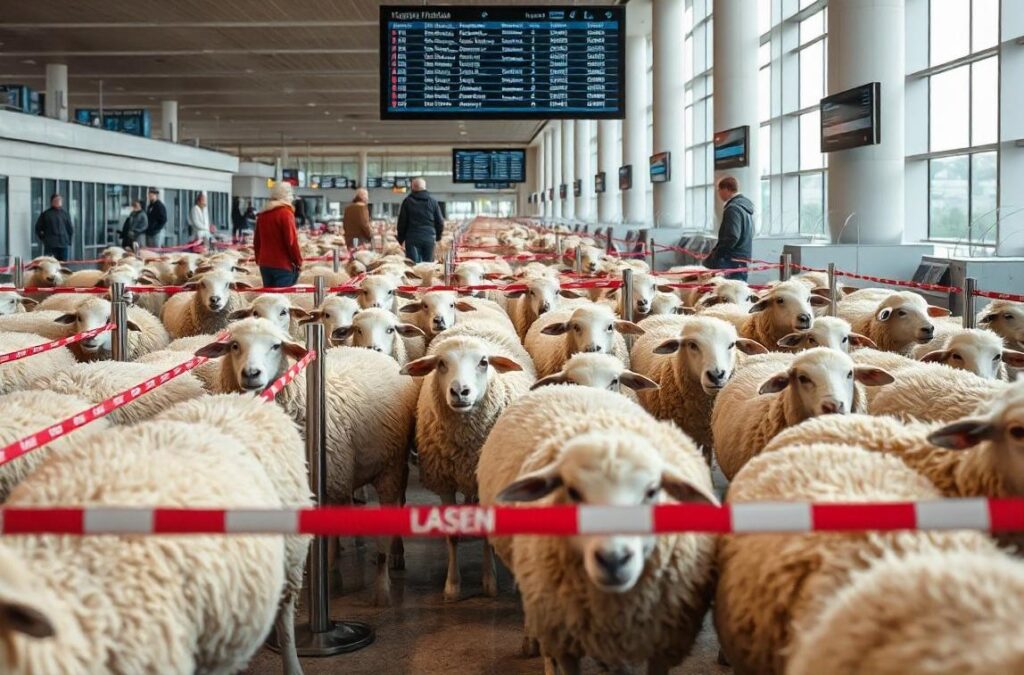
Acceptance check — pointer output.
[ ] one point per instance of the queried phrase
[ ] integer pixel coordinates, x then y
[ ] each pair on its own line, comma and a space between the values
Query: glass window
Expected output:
812, 203
947, 21
764, 16
764, 94
4, 218
764, 148
950, 109
812, 74
985, 101
812, 26
810, 141
984, 24
983, 196
949, 194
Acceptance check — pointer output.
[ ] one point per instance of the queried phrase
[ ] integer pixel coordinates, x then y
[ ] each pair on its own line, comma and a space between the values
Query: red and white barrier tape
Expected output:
47, 346
293, 371
999, 296
993, 515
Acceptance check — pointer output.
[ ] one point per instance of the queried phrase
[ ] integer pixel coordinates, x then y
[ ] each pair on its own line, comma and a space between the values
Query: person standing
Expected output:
199, 220
277, 241
736, 234
156, 214
356, 221
55, 230
237, 220
420, 223
135, 227
301, 217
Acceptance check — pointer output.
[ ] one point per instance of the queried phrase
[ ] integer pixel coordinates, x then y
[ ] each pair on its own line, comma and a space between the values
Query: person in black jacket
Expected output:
135, 227
54, 229
420, 223
736, 234
156, 214
237, 220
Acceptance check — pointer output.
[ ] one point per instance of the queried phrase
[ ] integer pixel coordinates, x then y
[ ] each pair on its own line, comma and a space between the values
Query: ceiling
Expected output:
248, 76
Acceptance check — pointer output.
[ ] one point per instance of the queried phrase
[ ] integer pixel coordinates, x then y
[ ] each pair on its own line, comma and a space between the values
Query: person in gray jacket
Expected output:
54, 229
736, 234
135, 226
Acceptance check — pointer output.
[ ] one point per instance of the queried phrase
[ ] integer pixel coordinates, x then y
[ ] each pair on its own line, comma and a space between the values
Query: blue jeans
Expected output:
58, 252
278, 278
420, 251
729, 264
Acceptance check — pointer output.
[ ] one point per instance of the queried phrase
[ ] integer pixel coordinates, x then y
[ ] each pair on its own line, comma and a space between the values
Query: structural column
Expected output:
669, 86
609, 158
556, 167
169, 120
57, 91
549, 173
634, 131
584, 171
568, 167
538, 177
865, 185
737, 41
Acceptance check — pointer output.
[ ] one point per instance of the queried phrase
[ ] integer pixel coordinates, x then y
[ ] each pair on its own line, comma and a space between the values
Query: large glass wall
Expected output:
5, 220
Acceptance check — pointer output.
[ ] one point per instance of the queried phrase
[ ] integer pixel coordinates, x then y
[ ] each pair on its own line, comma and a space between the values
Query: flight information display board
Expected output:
502, 62
488, 166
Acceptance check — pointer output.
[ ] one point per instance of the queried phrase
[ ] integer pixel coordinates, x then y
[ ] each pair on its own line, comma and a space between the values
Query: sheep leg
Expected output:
657, 666
285, 627
490, 577
453, 583
397, 561
549, 666
568, 664
382, 590
530, 648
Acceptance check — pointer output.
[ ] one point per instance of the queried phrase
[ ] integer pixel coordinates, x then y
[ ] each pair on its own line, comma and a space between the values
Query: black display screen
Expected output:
488, 166
626, 177
731, 148
599, 183
502, 62
851, 118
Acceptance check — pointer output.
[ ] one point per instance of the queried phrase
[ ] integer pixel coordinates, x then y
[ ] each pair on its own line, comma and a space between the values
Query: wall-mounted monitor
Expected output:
626, 177
290, 176
502, 62
599, 183
577, 188
492, 186
402, 182
731, 148
374, 182
563, 191
661, 167
851, 118
488, 166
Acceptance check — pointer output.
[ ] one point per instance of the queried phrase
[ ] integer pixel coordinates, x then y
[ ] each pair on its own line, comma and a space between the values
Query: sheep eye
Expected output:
1008, 317
693, 347
957, 357
997, 357
390, 331
235, 346
812, 341
452, 306
283, 312
901, 313
391, 292
846, 339
780, 301
574, 494
484, 362
804, 379
576, 329
849, 375
1017, 432
732, 346
651, 493
615, 382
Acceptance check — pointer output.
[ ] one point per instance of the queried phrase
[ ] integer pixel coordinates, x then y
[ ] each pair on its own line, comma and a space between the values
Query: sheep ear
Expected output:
240, 314
669, 346
858, 340
131, 325
556, 328
759, 306
100, 283
503, 364
409, 330
239, 286
495, 276
65, 270
146, 281
846, 290
191, 284
750, 347
683, 490
240, 270
884, 314
411, 308
821, 291
1012, 357
66, 319
409, 274
532, 486
774, 385
21, 618
311, 317
213, 350
34, 265
569, 293
818, 301
753, 297
963, 434
665, 288
937, 311
712, 300
988, 318
295, 350
350, 292
341, 332
203, 269
791, 340
557, 378
636, 381
464, 306
872, 377
515, 294
628, 327
298, 313
27, 302
420, 367
937, 356
408, 295
684, 310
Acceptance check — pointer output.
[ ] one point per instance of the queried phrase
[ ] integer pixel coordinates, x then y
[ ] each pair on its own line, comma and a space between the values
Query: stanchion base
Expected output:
342, 638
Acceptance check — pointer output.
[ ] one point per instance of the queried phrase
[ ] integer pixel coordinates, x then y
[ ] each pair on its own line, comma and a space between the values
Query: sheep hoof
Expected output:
397, 561
722, 660
531, 648
452, 593
382, 593
491, 587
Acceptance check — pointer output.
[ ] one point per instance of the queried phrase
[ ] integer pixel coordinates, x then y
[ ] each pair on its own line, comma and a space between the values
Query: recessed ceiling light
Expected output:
28, 62
311, 104
289, 90
152, 98
118, 88
463, 133
327, 112
250, 71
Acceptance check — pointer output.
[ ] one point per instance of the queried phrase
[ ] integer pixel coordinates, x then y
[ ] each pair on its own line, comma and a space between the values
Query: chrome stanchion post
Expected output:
119, 315
969, 304
448, 266
831, 289
627, 301
579, 261
650, 250
319, 290
18, 273
335, 260
785, 260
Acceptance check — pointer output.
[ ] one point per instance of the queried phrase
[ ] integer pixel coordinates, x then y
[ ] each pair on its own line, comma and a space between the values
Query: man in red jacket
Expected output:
276, 241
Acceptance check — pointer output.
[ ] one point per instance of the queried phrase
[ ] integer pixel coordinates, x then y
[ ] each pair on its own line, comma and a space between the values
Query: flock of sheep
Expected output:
543, 394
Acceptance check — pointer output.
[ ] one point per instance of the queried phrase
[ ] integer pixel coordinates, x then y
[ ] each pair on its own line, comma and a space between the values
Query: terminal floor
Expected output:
421, 634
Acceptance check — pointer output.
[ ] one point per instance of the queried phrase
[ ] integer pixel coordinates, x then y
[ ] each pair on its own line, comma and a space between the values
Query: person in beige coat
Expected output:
356, 220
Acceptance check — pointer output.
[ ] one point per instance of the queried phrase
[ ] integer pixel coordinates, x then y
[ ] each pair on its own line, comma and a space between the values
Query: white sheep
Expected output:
110, 256
718, 291
894, 320
977, 351
12, 303
131, 604
370, 413
775, 391
45, 272
331, 278
556, 336
435, 311
645, 287
600, 371
379, 292
278, 309
15, 375
205, 309
784, 308
333, 312
1006, 319
931, 391
691, 359
618, 599
542, 294
185, 266
770, 584
826, 331
381, 331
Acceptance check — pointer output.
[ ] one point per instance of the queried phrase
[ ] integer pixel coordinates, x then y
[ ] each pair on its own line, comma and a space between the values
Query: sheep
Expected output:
769, 584
379, 292
15, 375
12, 303
933, 392
645, 287
718, 291
276, 308
133, 604
819, 381
977, 351
556, 336
370, 409
333, 312
786, 307
691, 359
540, 295
272, 438
619, 600
381, 331
826, 331
26, 412
470, 379
100, 381
45, 272
435, 311
601, 371
331, 278
185, 266
110, 256
1006, 319
666, 303
207, 308
894, 320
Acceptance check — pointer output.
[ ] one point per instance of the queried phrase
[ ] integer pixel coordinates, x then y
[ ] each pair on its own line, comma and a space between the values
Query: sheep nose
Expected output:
51, 279
804, 320
928, 331
832, 407
545, 307
251, 373
459, 391
716, 376
376, 349
592, 349
611, 562
214, 299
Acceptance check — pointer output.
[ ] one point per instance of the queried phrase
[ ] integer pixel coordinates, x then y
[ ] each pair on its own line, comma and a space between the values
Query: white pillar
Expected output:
865, 185
364, 168
556, 168
57, 91
584, 170
538, 177
669, 86
609, 158
549, 173
568, 167
169, 120
736, 40
634, 131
